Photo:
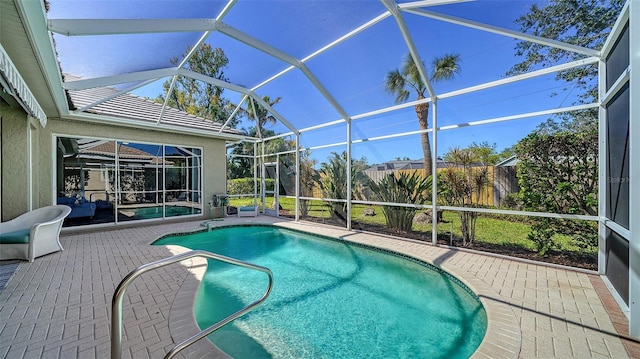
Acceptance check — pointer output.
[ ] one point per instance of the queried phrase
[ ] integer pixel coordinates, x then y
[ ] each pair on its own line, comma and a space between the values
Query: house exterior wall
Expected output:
14, 164
15, 175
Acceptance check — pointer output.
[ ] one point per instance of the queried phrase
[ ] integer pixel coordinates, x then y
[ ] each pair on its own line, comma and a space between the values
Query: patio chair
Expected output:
33, 234
248, 211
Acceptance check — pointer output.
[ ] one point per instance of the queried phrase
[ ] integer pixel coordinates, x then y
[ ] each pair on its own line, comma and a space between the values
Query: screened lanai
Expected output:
318, 119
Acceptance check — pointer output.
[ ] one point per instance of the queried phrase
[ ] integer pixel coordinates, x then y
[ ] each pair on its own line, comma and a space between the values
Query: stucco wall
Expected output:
15, 164
14, 197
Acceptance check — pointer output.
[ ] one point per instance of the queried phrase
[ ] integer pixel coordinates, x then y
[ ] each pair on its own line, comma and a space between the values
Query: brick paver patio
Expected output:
60, 305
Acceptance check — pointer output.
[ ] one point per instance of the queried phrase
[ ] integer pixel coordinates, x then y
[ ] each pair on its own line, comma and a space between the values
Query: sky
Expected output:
352, 72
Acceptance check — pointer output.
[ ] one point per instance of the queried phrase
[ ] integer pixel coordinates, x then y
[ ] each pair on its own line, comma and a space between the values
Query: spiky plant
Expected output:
401, 188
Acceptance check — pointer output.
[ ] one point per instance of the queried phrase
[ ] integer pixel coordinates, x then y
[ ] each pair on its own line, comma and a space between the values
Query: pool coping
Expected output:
503, 337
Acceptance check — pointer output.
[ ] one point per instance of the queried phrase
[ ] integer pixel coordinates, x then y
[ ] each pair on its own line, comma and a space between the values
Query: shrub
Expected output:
402, 188
244, 185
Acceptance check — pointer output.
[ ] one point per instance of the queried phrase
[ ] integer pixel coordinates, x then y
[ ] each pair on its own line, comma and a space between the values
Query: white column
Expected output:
434, 173
602, 169
634, 169
348, 174
297, 216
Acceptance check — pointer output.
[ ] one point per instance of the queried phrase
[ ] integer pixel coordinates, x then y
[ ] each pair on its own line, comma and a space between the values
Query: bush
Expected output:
244, 185
401, 188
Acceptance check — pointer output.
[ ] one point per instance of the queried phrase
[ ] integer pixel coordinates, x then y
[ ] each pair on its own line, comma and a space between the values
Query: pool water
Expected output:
330, 299
170, 211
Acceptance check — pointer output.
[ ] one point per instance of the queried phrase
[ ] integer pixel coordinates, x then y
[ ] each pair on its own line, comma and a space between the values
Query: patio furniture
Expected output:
33, 234
80, 207
248, 211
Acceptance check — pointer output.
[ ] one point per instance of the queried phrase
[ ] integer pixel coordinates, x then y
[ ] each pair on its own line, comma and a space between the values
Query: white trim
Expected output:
482, 210
525, 76
394, 9
505, 32
521, 116
620, 230
85, 84
396, 135
324, 146
616, 31
347, 36
602, 170
434, 174
30, 164
391, 108
325, 93
33, 16
425, 3
240, 89
634, 169
623, 306
19, 88
102, 119
615, 88
121, 92
226, 9
93, 27
235, 111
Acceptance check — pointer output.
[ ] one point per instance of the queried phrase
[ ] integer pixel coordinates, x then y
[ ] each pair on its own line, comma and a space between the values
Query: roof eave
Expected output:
102, 119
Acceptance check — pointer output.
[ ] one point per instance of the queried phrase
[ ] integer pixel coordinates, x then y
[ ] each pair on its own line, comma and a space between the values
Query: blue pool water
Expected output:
170, 211
330, 299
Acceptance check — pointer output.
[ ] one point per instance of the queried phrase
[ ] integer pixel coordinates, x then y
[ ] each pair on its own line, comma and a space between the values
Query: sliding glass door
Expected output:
107, 181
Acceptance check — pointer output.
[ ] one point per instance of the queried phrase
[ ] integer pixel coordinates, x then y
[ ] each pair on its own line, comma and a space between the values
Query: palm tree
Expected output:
261, 116
401, 82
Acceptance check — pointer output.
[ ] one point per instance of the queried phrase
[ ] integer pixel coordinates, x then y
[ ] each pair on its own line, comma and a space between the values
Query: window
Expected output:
105, 181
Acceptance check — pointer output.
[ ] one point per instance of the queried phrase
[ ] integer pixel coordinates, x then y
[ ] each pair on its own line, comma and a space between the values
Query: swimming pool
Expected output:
156, 212
331, 299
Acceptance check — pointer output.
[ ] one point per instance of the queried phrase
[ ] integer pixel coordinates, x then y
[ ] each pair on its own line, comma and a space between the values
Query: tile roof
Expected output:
132, 107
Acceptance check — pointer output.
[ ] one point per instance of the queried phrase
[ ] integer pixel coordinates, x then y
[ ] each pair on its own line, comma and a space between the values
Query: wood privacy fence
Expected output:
502, 182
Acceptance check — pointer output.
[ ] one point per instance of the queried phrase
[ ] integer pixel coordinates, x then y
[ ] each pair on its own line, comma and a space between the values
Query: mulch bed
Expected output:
569, 259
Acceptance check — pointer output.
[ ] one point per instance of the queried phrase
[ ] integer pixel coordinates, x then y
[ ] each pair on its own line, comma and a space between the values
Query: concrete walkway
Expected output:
60, 305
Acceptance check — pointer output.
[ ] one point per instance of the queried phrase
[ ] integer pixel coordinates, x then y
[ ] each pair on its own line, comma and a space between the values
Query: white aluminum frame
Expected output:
634, 170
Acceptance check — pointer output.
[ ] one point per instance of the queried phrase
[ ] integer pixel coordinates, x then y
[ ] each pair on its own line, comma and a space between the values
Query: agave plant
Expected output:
401, 188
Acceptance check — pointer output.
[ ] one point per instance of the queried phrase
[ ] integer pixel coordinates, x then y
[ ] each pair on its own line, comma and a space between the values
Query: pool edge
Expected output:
503, 337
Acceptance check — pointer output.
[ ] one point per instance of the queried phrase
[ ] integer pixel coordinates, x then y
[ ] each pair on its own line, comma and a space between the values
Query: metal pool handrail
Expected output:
116, 305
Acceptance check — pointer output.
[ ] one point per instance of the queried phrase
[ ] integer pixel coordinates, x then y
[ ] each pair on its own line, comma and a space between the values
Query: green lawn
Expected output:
507, 230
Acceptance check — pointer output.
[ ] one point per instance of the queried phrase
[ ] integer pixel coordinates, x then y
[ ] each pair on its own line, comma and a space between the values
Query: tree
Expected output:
259, 114
401, 82
198, 98
333, 182
309, 179
461, 183
482, 153
580, 22
558, 173
558, 162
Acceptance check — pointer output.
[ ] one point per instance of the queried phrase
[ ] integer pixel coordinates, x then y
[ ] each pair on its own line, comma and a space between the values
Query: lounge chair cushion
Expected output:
15, 237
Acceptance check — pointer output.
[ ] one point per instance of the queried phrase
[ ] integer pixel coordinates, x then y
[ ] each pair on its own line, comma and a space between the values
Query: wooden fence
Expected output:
502, 182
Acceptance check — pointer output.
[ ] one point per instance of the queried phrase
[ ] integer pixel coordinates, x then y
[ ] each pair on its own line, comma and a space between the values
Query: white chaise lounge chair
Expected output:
248, 211
33, 234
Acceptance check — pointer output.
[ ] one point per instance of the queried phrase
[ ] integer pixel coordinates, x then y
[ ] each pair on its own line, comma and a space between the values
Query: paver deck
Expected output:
60, 305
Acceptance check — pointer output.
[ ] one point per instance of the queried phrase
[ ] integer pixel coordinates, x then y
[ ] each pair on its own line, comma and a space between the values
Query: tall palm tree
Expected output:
259, 114
401, 82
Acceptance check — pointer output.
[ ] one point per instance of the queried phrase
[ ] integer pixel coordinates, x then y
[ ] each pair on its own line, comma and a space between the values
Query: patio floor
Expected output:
60, 305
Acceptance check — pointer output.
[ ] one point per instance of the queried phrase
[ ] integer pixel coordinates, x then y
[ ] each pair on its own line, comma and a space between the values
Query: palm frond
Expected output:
446, 67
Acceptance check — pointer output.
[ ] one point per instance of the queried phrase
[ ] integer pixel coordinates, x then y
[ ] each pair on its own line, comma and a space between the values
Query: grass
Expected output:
505, 231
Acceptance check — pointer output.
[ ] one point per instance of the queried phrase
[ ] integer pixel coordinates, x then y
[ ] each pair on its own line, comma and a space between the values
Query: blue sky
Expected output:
353, 72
